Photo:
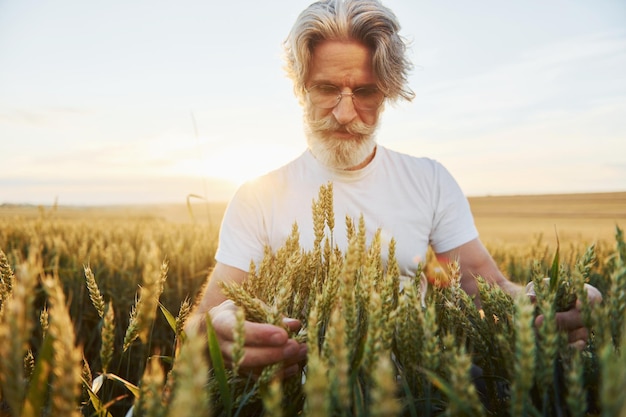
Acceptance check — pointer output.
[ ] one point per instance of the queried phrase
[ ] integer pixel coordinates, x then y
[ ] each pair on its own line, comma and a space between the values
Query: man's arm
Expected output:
265, 344
474, 260
212, 295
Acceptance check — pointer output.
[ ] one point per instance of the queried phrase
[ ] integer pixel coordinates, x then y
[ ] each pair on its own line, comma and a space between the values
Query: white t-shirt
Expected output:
414, 200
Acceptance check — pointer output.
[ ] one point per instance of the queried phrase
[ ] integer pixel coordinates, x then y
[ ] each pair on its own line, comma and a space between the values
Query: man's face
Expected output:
341, 137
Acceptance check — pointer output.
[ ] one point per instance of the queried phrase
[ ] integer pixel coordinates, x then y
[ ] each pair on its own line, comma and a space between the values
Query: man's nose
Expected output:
344, 112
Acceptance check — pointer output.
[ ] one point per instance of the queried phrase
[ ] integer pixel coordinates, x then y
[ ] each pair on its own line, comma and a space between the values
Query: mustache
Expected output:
329, 124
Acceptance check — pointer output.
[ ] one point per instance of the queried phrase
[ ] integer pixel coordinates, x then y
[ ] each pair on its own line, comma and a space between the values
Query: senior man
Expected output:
347, 59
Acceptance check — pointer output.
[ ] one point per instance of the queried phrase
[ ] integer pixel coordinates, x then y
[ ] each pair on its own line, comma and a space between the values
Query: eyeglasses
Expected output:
327, 96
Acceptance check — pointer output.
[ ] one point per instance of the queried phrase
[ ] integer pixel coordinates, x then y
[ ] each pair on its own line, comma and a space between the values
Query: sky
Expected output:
118, 102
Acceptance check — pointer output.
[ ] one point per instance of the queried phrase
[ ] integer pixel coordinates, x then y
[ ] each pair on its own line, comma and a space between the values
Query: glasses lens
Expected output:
367, 98
324, 96
328, 96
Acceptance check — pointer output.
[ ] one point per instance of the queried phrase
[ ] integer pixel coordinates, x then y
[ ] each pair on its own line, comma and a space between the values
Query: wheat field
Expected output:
517, 219
93, 302
521, 219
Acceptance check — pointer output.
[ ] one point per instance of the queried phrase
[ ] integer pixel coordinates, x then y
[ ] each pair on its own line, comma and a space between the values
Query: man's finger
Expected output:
262, 334
580, 334
292, 324
578, 345
286, 371
258, 357
594, 295
565, 320
224, 320
569, 320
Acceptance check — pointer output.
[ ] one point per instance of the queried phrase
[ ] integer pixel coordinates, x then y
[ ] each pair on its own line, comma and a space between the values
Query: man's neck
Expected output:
365, 162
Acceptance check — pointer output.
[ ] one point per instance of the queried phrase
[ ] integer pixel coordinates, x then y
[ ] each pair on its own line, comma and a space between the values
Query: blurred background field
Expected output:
515, 220
501, 220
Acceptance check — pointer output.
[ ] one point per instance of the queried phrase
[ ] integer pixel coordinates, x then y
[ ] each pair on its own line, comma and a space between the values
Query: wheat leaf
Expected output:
554, 271
131, 387
171, 320
219, 370
95, 401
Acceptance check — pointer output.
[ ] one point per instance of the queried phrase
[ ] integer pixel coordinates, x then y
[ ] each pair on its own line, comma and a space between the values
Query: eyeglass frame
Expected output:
341, 94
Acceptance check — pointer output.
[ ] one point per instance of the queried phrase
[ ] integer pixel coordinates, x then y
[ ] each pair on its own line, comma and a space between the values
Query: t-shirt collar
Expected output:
335, 174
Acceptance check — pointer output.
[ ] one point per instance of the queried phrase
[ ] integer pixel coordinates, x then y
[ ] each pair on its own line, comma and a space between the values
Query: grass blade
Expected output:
131, 387
219, 370
171, 320
554, 271
99, 408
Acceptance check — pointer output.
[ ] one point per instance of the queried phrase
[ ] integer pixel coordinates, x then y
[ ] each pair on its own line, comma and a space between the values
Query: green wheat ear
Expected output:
554, 270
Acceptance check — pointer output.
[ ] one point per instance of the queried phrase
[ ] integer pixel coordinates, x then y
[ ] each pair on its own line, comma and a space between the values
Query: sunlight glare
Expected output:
246, 162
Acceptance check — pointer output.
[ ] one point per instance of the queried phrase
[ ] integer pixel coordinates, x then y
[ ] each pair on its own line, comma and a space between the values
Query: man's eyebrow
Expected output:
323, 82
370, 85
330, 83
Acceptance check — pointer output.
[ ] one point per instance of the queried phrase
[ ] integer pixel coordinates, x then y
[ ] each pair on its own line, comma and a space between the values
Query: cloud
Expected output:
550, 121
37, 117
559, 76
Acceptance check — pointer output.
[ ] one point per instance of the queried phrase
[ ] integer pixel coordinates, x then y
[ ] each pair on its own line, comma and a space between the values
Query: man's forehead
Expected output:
342, 63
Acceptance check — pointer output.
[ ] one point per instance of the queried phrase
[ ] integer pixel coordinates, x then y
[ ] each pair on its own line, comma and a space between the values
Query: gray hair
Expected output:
365, 21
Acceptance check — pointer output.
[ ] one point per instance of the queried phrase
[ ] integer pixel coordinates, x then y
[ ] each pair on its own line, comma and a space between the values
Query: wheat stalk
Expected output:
144, 311
94, 292
255, 309
238, 351
272, 398
576, 400
6, 278
132, 331
107, 335
67, 358
150, 402
465, 401
191, 372
316, 388
524, 356
181, 318
15, 331
384, 392
337, 354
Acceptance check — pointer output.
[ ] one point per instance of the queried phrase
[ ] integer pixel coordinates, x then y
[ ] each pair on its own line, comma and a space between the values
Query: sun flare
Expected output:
240, 163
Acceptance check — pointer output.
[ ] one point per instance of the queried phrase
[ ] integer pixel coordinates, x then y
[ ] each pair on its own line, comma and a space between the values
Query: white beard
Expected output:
336, 152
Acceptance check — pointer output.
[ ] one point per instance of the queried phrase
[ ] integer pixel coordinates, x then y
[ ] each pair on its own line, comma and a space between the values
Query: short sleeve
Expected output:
453, 223
242, 236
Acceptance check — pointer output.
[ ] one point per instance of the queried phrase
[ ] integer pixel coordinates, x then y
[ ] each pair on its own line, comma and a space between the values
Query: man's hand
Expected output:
265, 344
571, 320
